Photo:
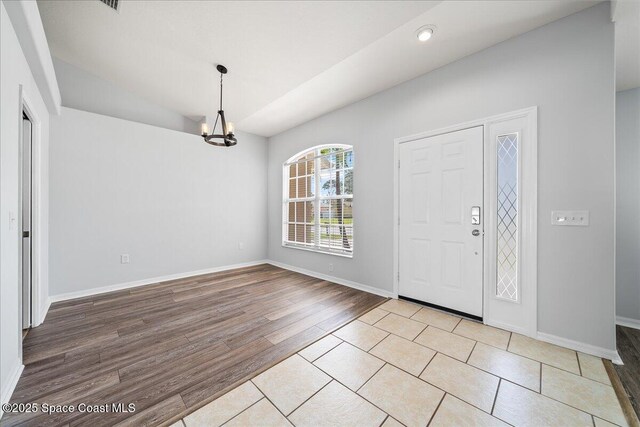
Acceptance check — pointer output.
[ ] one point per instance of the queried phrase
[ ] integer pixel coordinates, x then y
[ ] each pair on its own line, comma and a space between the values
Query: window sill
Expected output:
318, 251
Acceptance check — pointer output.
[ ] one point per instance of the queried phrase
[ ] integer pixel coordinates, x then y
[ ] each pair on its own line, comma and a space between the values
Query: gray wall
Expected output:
15, 72
628, 204
84, 91
170, 201
566, 68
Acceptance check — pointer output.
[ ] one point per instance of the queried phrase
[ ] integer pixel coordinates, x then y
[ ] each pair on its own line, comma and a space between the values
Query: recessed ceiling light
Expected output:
424, 33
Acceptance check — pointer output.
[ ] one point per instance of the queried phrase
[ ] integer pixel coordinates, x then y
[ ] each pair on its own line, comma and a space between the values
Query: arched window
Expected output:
318, 200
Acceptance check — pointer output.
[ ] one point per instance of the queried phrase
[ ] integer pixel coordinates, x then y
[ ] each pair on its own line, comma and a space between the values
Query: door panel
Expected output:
441, 178
421, 200
452, 196
420, 251
452, 264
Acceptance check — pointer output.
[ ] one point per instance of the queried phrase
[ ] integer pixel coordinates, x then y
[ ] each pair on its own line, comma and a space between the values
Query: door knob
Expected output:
476, 232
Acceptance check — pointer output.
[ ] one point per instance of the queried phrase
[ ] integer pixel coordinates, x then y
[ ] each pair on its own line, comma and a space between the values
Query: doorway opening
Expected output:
27, 221
465, 219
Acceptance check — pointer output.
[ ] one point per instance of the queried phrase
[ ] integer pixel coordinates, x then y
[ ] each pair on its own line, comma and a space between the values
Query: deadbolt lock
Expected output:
475, 215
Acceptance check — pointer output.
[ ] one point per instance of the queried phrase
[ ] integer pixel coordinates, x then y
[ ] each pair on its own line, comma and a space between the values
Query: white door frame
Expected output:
37, 296
528, 226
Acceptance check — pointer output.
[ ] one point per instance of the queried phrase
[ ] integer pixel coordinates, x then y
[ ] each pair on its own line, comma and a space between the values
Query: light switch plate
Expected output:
573, 218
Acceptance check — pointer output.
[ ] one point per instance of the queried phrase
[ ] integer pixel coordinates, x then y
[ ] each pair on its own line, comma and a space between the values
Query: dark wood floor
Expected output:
628, 341
171, 347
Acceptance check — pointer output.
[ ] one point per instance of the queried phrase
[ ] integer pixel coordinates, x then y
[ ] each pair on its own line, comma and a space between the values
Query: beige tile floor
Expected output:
404, 364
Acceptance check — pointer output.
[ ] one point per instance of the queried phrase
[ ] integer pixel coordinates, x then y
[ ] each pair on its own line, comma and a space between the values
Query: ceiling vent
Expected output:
113, 4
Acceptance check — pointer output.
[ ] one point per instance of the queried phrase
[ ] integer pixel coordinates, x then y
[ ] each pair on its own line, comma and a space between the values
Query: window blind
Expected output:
318, 200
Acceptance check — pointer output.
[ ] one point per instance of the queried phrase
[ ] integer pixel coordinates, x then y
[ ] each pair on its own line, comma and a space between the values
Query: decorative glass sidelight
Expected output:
507, 244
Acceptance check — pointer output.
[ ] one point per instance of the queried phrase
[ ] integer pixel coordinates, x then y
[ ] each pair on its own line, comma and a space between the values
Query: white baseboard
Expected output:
563, 342
628, 322
605, 353
10, 385
510, 328
43, 312
134, 284
339, 281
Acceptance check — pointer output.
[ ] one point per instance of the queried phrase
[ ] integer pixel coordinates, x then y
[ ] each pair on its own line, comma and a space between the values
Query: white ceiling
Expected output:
288, 61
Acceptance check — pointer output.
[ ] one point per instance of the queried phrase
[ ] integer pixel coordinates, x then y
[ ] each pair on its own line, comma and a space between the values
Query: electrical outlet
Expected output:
330, 267
124, 259
240, 245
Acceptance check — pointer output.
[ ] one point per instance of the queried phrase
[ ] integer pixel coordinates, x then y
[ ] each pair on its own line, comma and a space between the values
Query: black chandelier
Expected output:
226, 138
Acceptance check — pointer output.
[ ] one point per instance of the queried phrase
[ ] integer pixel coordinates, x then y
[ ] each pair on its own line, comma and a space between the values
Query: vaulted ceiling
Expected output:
626, 15
288, 61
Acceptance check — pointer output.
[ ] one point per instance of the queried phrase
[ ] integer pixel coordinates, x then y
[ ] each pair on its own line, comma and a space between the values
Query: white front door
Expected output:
441, 247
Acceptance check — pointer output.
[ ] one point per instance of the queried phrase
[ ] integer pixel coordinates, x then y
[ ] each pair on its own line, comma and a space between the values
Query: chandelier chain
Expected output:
221, 90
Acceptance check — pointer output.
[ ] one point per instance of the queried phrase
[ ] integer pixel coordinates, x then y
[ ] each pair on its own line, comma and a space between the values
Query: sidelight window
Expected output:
507, 242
